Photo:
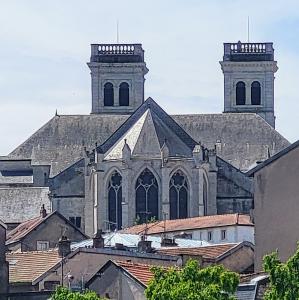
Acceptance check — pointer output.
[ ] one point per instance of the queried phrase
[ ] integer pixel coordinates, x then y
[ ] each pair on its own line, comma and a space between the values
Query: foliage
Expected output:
62, 293
192, 283
284, 277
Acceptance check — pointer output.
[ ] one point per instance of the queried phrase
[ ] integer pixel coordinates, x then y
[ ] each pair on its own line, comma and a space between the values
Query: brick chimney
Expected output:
98, 240
64, 246
43, 212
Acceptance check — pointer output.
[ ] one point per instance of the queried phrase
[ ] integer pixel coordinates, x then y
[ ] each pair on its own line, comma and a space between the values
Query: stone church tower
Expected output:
117, 78
248, 70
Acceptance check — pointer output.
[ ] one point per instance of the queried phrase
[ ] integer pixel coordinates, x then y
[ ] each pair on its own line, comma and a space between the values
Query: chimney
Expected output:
64, 246
98, 240
167, 242
43, 212
144, 246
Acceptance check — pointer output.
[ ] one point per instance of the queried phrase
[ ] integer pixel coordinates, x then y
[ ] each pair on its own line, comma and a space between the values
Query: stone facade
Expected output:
117, 64
248, 63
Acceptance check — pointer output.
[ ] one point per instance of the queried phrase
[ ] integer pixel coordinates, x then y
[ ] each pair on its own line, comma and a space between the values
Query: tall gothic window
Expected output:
114, 201
256, 93
124, 94
205, 196
108, 94
240, 93
146, 197
178, 196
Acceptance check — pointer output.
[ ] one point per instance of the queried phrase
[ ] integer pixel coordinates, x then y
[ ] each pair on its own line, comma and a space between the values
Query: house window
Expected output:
146, 197
178, 196
240, 93
76, 221
223, 234
42, 245
210, 235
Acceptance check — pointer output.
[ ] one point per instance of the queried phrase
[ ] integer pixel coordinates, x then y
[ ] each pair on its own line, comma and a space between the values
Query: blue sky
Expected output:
44, 47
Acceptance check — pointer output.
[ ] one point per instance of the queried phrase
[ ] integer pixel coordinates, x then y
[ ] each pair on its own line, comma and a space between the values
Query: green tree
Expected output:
62, 293
284, 277
192, 283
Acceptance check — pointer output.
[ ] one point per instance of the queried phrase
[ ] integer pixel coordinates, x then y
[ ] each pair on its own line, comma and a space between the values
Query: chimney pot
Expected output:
43, 212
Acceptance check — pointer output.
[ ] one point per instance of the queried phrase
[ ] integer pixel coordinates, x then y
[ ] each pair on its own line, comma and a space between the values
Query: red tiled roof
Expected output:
140, 271
207, 252
23, 229
191, 223
27, 266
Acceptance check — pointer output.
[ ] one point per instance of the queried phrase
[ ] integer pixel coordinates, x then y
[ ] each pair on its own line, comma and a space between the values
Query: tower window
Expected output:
256, 93
108, 94
240, 93
124, 94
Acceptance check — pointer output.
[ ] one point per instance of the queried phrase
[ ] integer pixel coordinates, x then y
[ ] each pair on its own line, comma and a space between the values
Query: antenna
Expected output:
117, 33
248, 29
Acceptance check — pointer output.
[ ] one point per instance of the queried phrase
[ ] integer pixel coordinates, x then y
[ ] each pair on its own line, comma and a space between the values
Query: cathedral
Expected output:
130, 162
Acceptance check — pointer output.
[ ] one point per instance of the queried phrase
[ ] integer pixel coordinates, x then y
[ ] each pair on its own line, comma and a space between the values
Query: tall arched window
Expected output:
240, 93
205, 196
146, 197
256, 93
178, 196
124, 94
108, 94
114, 201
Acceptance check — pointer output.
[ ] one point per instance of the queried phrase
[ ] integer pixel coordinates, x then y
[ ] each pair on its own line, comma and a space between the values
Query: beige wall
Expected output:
276, 211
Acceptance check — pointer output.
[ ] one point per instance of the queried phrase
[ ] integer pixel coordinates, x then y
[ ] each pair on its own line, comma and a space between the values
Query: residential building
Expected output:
3, 262
229, 228
276, 203
42, 232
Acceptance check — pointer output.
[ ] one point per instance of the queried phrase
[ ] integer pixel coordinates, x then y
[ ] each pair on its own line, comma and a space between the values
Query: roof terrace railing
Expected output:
247, 48
117, 49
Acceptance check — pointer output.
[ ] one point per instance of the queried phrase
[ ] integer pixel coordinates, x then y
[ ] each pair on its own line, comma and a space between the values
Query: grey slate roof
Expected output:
243, 138
145, 132
18, 204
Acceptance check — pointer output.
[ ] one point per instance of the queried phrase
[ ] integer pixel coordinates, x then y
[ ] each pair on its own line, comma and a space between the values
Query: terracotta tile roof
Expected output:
191, 223
23, 229
207, 252
139, 271
27, 266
